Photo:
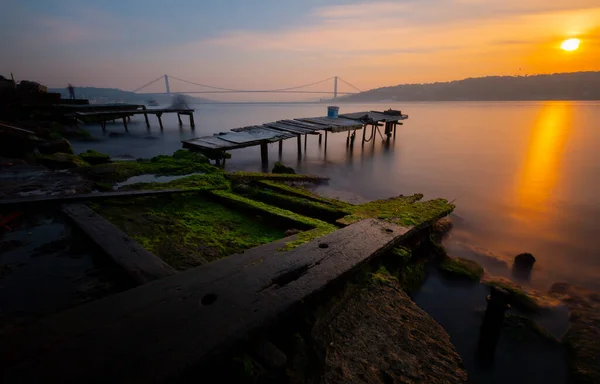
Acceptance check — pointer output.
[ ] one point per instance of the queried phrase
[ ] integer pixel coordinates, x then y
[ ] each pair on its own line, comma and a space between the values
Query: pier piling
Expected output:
264, 153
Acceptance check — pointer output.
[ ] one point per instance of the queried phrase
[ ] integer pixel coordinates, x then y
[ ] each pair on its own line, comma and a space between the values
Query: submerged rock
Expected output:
380, 336
583, 337
461, 269
55, 146
94, 157
280, 168
61, 161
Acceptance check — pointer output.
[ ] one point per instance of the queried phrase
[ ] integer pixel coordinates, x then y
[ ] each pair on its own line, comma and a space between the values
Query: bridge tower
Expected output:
335, 79
167, 85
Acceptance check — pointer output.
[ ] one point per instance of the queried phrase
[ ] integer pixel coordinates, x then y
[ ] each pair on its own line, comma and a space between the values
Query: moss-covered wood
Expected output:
188, 230
402, 210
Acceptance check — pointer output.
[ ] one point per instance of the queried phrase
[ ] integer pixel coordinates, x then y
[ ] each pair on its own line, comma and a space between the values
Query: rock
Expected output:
378, 335
291, 232
280, 168
519, 298
442, 226
524, 261
270, 356
55, 146
61, 161
461, 269
582, 337
94, 157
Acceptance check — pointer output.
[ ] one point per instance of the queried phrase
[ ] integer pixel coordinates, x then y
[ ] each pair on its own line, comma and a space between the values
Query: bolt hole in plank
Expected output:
323, 245
208, 299
389, 230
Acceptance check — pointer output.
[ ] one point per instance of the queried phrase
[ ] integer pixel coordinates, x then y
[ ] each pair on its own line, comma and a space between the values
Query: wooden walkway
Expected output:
216, 145
155, 332
102, 116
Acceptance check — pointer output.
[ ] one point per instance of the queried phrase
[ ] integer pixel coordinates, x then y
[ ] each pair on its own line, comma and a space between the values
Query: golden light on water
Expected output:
570, 44
541, 167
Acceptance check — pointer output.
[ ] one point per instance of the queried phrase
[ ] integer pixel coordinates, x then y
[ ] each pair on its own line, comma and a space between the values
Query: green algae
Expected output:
202, 182
244, 177
401, 210
189, 230
317, 227
303, 206
461, 269
383, 276
182, 162
300, 192
94, 157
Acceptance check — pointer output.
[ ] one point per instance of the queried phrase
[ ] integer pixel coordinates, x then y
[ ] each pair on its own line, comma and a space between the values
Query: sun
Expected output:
570, 44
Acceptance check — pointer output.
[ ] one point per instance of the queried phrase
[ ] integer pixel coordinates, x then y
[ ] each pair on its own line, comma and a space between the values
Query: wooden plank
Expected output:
22, 201
154, 332
212, 142
287, 128
142, 265
248, 136
302, 124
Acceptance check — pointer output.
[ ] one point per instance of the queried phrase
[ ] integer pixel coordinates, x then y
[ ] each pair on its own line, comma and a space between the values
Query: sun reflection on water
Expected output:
541, 167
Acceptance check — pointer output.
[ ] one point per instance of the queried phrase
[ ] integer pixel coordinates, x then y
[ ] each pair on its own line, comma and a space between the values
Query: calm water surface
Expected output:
523, 175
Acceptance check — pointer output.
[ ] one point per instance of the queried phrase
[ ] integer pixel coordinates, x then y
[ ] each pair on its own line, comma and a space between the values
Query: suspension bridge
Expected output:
205, 88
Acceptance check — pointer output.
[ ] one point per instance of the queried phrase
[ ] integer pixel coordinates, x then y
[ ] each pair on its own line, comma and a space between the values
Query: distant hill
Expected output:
558, 86
114, 95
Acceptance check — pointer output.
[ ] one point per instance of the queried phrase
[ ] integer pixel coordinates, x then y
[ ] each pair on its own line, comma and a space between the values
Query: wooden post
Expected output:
364, 129
395, 125
147, 122
299, 145
280, 148
179, 118
320, 137
192, 124
160, 120
305, 139
103, 125
264, 153
125, 123
325, 139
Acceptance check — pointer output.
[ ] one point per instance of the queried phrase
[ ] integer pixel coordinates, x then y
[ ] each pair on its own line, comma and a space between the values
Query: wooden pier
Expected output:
124, 114
216, 145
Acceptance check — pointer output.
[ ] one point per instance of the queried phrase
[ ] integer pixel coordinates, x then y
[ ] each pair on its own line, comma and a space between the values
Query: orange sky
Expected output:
369, 44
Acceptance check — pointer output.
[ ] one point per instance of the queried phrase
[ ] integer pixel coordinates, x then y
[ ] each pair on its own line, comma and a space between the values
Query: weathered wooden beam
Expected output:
192, 124
140, 264
264, 153
159, 115
299, 138
147, 121
25, 201
179, 118
280, 148
125, 123
154, 332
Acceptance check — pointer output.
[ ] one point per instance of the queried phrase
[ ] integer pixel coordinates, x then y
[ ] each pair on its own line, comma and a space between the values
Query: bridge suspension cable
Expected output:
145, 85
251, 90
345, 82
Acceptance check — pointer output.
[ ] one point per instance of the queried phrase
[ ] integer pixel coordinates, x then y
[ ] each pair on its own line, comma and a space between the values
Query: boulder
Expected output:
61, 161
55, 146
280, 168
94, 157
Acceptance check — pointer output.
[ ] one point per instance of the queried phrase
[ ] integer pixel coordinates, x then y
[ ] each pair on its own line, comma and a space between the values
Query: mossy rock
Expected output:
461, 269
61, 161
280, 168
191, 156
94, 157
519, 298
383, 276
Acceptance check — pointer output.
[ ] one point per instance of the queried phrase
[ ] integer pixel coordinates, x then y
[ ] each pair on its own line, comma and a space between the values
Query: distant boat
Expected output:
152, 103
